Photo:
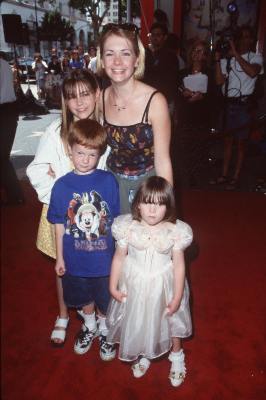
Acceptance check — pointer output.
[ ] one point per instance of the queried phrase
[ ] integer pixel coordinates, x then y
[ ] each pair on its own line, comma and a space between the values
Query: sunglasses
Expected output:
125, 27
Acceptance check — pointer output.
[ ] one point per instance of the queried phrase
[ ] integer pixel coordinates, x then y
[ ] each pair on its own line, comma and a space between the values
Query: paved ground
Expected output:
29, 131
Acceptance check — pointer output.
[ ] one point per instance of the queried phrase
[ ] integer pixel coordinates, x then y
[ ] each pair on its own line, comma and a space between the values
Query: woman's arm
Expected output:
117, 263
60, 264
161, 126
179, 281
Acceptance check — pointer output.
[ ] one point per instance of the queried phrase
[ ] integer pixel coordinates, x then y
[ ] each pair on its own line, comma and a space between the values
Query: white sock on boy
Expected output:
102, 325
90, 321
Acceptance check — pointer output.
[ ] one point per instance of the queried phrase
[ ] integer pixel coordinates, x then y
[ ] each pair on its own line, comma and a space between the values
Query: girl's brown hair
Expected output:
88, 133
132, 36
155, 190
78, 79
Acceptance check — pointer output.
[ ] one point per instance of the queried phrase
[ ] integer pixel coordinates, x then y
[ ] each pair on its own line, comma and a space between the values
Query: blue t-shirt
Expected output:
86, 205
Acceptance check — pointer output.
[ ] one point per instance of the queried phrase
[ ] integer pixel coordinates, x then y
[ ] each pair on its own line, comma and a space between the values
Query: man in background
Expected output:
161, 65
8, 123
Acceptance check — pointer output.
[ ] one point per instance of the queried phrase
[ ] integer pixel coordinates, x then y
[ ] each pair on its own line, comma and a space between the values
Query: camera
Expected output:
223, 45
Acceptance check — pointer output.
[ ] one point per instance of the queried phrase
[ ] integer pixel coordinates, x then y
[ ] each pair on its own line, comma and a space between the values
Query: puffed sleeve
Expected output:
120, 229
183, 235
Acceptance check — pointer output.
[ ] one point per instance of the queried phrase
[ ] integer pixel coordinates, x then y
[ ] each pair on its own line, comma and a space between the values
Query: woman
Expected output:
75, 61
79, 94
194, 113
134, 114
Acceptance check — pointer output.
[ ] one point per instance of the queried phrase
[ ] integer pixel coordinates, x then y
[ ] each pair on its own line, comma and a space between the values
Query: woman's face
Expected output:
83, 104
119, 59
198, 53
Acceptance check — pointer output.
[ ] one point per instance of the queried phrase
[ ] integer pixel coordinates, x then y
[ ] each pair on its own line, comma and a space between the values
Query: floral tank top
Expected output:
132, 148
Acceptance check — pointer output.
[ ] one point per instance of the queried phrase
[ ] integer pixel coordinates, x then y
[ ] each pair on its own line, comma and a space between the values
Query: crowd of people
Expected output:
104, 174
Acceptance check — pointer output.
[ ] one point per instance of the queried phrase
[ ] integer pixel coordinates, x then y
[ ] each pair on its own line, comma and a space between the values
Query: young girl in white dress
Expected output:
149, 312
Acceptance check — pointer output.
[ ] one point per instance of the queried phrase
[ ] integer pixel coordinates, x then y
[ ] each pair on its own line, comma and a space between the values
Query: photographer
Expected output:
237, 74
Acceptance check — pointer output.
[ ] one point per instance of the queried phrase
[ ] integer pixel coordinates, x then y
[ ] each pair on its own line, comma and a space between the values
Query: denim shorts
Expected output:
128, 187
79, 291
238, 115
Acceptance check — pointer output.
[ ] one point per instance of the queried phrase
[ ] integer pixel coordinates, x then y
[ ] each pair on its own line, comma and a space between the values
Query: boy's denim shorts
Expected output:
79, 291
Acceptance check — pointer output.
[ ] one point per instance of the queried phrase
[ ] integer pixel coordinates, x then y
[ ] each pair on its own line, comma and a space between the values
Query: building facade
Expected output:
32, 13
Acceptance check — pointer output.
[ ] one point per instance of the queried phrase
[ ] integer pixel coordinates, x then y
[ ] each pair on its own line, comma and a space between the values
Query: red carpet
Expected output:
226, 356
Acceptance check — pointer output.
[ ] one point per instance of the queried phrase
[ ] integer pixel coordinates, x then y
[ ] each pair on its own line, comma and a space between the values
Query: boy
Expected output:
83, 205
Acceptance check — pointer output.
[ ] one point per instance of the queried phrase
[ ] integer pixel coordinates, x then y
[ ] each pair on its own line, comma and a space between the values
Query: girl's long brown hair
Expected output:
77, 79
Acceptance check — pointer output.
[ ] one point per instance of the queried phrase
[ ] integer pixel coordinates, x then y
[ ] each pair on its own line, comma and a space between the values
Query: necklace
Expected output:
118, 107
121, 107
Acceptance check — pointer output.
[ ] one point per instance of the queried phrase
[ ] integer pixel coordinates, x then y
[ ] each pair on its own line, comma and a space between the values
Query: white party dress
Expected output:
141, 324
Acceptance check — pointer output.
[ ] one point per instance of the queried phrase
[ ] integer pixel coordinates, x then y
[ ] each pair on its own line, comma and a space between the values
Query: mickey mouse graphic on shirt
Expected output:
88, 216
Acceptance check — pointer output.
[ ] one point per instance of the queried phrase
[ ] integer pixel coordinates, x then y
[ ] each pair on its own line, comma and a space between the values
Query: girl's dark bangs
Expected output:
154, 197
72, 87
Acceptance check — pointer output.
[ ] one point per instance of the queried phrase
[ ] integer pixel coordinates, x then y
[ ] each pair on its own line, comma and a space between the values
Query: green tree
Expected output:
54, 27
135, 8
91, 8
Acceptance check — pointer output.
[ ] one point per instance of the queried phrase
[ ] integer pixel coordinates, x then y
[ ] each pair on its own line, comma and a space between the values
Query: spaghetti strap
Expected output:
146, 111
104, 119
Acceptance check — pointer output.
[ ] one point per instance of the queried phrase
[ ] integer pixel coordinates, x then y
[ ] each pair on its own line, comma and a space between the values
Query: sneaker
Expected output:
84, 340
178, 368
107, 350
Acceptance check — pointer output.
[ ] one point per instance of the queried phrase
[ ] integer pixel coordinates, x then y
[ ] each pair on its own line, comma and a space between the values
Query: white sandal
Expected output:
140, 368
178, 368
59, 332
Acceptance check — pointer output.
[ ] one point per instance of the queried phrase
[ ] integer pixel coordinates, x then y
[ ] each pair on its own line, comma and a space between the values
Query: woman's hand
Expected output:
196, 96
187, 93
118, 296
51, 172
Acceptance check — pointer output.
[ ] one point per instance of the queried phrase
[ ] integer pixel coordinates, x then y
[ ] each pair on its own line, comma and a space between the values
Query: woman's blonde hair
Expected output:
76, 80
199, 42
128, 32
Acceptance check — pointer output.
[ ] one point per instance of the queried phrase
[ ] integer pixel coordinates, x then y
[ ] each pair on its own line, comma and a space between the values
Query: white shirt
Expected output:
51, 153
240, 83
40, 67
7, 92
93, 64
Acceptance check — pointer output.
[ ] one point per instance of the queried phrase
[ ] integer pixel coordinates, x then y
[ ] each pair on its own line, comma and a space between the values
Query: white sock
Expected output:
90, 321
102, 325
177, 354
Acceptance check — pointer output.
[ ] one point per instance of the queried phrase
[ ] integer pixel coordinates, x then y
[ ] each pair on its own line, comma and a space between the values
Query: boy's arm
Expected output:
116, 268
178, 282
60, 264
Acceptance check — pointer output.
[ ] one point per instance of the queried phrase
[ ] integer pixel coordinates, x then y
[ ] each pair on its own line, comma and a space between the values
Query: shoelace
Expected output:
86, 338
104, 345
